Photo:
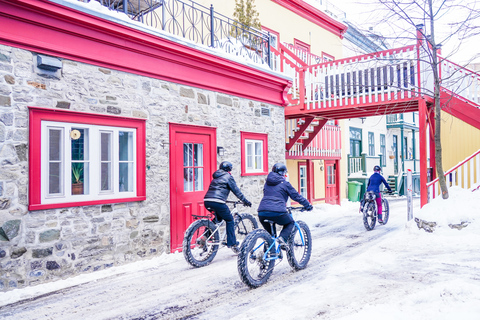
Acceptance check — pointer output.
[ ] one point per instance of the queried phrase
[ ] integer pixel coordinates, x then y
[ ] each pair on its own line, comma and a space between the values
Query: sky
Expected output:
365, 14
396, 271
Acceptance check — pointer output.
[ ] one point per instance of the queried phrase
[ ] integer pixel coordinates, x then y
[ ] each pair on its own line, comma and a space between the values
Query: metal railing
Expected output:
199, 24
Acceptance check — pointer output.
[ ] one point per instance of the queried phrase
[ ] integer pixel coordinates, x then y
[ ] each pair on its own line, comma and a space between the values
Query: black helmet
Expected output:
279, 168
377, 168
227, 166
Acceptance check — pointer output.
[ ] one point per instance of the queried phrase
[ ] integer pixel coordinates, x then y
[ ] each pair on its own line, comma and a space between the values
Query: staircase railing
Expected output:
388, 75
465, 175
460, 81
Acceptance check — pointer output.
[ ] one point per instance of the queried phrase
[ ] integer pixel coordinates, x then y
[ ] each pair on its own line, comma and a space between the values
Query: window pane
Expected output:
78, 177
54, 178
106, 146
126, 177
198, 179
187, 154
187, 179
106, 161
55, 140
198, 153
249, 155
78, 146
125, 144
258, 148
105, 176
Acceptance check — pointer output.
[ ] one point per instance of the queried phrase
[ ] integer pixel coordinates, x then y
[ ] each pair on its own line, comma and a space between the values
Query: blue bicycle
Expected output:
260, 252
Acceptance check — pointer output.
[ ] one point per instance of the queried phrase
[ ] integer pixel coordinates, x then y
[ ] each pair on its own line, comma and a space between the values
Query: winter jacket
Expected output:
375, 181
276, 192
221, 185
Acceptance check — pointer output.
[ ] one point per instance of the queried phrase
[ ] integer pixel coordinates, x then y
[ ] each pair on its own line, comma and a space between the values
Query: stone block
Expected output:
9, 79
2, 253
52, 265
49, 235
21, 150
42, 253
18, 252
10, 229
187, 92
151, 219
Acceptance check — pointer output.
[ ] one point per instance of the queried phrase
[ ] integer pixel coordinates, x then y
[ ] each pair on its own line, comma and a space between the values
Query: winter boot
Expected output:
380, 218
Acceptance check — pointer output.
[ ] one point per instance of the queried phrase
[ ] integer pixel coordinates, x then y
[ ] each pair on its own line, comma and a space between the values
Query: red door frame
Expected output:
177, 163
336, 164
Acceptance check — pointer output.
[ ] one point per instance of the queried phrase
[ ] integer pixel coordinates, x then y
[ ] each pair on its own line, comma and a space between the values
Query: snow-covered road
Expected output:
387, 273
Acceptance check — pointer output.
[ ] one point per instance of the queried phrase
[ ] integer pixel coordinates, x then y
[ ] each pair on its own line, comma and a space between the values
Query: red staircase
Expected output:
387, 82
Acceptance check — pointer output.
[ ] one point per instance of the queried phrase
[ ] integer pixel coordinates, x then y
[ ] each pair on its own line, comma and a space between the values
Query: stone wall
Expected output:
47, 245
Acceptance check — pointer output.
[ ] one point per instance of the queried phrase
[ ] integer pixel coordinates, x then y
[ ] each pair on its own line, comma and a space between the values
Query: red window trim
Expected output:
37, 115
327, 56
254, 136
302, 45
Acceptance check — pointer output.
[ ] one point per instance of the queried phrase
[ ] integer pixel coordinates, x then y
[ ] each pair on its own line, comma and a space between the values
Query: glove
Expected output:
309, 207
247, 203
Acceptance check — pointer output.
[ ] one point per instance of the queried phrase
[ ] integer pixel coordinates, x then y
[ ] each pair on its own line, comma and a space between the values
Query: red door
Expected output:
192, 161
331, 189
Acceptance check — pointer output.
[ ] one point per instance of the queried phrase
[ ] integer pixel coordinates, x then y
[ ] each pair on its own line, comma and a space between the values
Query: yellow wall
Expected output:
292, 166
288, 24
459, 140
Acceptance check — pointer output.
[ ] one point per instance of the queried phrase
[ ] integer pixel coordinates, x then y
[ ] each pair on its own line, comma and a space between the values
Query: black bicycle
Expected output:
369, 210
260, 252
206, 235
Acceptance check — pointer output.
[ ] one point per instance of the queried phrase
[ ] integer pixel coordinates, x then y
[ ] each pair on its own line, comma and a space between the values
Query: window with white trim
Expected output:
87, 162
79, 158
254, 155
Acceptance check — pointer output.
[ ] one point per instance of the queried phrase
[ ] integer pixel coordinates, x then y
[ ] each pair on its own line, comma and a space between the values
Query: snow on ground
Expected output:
395, 271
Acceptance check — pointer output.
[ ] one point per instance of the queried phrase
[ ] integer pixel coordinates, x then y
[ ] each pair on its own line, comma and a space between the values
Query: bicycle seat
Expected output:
269, 221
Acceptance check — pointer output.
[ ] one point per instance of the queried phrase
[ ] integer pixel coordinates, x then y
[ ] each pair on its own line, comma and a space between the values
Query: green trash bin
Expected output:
354, 188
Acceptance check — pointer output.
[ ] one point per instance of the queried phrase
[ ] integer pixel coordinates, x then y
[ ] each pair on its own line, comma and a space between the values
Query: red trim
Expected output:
37, 115
46, 27
254, 136
314, 15
298, 173
273, 32
455, 168
329, 56
301, 45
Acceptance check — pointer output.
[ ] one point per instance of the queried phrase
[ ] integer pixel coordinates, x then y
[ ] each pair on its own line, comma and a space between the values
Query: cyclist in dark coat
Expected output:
217, 194
376, 179
273, 205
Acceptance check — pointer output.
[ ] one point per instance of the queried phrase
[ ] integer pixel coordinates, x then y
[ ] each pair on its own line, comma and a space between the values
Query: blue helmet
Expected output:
280, 168
377, 169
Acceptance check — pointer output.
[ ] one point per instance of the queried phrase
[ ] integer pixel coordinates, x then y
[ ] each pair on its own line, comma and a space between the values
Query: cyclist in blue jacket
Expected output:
273, 205
376, 179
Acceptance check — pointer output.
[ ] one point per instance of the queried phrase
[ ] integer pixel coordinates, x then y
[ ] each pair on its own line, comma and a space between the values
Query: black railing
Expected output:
199, 24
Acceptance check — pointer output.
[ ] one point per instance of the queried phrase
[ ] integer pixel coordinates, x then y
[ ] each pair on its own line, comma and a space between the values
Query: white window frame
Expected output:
253, 169
94, 173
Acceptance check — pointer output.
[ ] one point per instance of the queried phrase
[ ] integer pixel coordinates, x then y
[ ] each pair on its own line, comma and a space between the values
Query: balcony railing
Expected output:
199, 24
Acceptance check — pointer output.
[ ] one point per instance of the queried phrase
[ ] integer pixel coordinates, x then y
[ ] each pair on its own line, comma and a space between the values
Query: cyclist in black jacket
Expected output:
273, 206
217, 194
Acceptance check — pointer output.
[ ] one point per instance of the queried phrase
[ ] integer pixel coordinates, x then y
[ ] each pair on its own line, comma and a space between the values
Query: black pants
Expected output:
280, 218
222, 212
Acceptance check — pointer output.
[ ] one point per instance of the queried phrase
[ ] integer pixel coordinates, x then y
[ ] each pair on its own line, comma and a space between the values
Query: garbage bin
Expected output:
354, 188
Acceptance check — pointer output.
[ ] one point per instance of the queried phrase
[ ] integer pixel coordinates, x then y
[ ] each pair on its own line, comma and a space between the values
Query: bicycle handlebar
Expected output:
296, 208
234, 202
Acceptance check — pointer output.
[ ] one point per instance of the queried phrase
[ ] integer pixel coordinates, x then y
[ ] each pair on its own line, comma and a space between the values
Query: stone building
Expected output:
142, 115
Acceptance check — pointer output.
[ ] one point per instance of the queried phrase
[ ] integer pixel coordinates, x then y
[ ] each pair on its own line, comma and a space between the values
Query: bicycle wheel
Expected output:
299, 246
244, 224
385, 211
253, 269
369, 215
200, 244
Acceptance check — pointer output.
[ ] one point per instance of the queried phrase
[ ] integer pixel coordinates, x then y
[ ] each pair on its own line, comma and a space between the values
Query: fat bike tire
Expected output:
253, 268
369, 216
299, 246
244, 224
385, 211
200, 243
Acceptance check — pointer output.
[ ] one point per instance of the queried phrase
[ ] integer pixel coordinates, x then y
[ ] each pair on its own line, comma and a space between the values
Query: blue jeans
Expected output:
222, 212
282, 218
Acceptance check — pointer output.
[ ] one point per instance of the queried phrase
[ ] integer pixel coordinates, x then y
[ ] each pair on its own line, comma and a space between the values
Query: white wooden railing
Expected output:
466, 175
382, 76
460, 81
